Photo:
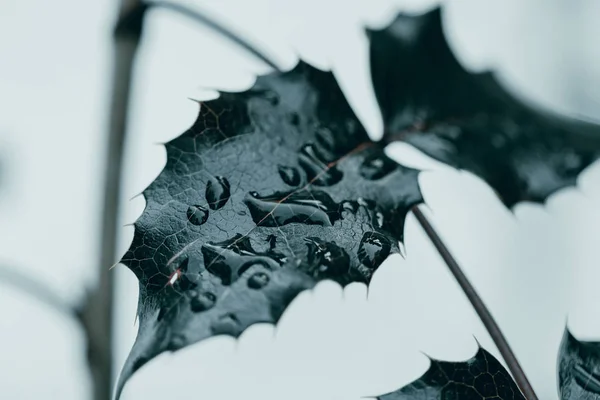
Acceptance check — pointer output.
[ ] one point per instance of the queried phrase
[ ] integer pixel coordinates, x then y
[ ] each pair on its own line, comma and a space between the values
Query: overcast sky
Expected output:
533, 267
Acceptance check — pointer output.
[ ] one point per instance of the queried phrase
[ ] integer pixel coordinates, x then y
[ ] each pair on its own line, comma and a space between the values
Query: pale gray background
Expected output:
533, 267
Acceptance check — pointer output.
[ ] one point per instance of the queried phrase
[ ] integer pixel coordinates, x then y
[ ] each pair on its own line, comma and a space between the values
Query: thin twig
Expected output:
217, 27
481, 309
37, 290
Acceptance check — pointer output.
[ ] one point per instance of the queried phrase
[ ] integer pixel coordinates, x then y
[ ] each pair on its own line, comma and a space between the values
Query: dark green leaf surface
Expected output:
468, 120
270, 191
480, 378
579, 369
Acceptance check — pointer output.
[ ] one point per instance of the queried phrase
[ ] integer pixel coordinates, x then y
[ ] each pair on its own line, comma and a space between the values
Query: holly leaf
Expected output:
579, 369
270, 191
468, 120
480, 378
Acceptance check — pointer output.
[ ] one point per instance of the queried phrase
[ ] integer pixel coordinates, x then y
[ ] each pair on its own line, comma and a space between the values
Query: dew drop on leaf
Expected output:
373, 249
203, 301
290, 175
326, 259
197, 215
376, 167
258, 280
217, 192
227, 324
316, 166
309, 207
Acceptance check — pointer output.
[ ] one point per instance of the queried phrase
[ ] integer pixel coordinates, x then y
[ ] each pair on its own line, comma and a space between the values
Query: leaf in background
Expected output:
479, 378
469, 121
578, 369
270, 191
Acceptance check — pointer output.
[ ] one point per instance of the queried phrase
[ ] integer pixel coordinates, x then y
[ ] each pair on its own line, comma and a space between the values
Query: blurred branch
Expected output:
97, 312
215, 26
37, 290
480, 308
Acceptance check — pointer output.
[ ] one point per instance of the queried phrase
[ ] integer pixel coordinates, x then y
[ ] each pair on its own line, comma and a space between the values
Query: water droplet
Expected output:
317, 168
309, 207
373, 249
294, 118
326, 259
350, 206
362, 202
379, 219
258, 280
326, 142
230, 258
272, 239
197, 215
227, 324
376, 166
272, 97
217, 192
203, 302
290, 175
177, 342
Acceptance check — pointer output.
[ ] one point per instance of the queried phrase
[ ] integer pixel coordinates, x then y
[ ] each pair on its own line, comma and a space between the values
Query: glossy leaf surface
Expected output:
270, 191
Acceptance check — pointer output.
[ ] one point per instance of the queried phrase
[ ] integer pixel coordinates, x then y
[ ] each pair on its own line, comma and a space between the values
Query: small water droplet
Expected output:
258, 280
290, 175
227, 324
294, 118
326, 259
376, 166
217, 192
309, 207
326, 142
362, 202
177, 342
374, 248
203, 302
350, 206
197, 215
272, 239
317, 167
230, 258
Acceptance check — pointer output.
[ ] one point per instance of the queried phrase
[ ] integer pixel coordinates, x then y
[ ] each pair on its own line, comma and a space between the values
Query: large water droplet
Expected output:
290, 175
309, 207
203, 301
326, 259
197, 215
217, 192
374, 249
258, 280
317, 168
229, 259
376, 166
177, 342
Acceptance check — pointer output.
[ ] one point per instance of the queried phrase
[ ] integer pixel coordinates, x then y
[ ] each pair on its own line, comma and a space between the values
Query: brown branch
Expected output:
482, 311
